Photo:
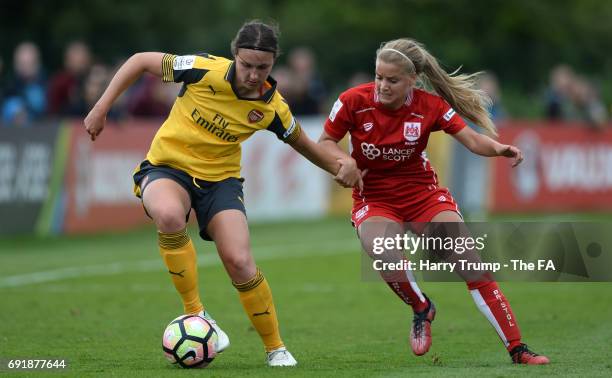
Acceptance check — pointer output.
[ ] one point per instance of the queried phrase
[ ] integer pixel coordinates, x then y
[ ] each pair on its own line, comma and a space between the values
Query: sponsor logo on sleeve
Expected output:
290, 129
184, 62
335, 109
412, 131
449, 114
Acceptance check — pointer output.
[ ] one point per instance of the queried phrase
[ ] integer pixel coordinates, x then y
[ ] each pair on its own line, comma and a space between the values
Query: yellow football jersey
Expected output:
209, 120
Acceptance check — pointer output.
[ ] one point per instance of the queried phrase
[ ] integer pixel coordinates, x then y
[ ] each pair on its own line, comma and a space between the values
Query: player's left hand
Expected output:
510, 151
349, 175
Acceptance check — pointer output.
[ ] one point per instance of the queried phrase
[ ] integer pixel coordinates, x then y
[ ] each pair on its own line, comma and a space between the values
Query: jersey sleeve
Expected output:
338, 123
284, 124
186, 69
448, 120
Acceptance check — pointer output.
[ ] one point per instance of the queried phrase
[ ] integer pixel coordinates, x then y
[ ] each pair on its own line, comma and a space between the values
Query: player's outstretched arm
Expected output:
343, 177
483, 145
127, 74
336, 162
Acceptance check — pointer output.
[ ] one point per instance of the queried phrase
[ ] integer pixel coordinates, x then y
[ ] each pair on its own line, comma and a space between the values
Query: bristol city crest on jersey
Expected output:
412, 131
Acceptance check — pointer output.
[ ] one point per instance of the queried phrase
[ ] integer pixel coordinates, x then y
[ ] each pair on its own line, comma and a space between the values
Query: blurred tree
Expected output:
520, 40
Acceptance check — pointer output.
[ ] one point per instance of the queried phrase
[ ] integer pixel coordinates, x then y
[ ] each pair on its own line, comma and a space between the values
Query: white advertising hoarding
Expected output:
279, 182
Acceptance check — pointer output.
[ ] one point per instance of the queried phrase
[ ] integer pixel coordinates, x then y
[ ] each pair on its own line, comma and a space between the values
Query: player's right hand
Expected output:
349, 175
94, 123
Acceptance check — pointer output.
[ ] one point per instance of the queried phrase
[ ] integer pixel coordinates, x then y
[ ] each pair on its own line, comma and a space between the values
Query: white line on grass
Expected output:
270, 252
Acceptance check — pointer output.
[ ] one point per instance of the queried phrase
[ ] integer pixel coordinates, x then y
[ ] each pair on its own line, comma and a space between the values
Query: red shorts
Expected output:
432, 203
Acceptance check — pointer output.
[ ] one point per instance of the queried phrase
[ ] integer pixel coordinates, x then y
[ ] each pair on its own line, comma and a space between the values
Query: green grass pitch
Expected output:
102, 302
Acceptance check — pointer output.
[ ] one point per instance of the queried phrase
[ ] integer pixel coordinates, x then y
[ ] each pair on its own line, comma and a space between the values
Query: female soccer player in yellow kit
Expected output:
194, 162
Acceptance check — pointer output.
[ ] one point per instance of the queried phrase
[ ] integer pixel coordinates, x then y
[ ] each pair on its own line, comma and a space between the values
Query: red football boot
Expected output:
522, 355
420, 334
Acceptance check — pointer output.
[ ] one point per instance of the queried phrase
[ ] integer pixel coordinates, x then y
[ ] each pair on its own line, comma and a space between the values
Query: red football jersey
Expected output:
391, 143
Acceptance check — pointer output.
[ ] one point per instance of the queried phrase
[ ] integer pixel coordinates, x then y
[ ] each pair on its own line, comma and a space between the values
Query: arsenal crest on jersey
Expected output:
412, 131
255, 116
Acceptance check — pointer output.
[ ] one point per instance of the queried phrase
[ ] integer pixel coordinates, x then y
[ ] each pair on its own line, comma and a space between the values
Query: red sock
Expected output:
406, 288
495, 307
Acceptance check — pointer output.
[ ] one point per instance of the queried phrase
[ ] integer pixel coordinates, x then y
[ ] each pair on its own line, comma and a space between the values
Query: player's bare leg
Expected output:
229, 230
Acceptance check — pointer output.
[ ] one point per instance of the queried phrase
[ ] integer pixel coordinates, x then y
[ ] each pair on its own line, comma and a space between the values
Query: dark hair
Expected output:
256, 35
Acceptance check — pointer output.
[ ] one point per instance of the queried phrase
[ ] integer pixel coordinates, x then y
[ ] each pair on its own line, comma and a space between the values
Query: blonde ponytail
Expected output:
459, 90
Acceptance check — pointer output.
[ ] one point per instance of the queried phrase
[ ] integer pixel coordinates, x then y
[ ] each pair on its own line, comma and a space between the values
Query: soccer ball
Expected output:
189, 341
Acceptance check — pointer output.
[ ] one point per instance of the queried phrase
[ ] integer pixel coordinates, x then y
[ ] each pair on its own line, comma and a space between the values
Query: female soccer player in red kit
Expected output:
389, 122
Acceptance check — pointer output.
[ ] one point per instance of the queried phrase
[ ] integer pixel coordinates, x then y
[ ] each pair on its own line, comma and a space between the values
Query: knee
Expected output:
369, 250
239, 261
240, 265
373, 249
169, 219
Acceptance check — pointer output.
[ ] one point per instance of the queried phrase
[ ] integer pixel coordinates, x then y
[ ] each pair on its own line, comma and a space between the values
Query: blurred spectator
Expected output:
94, 85
572, 98
587, 103
151, 97
285, 80
119, 109
558, 97
309, 89
490, 85
66, 88
24, 99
